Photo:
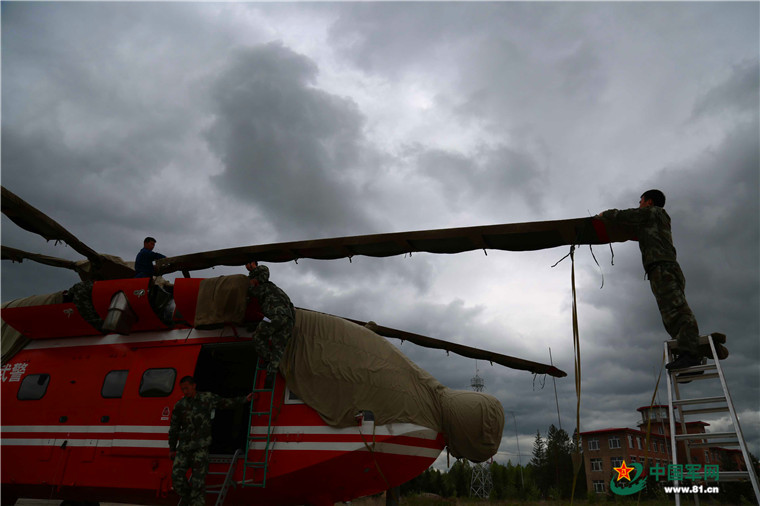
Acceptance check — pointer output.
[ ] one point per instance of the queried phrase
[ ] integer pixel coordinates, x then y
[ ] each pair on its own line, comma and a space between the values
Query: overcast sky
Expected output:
218, 125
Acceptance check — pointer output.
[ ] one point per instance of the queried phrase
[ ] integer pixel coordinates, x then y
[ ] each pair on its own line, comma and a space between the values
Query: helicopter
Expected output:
88, 386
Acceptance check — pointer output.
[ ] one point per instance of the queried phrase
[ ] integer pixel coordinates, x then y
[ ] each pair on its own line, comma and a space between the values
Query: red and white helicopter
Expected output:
86, 407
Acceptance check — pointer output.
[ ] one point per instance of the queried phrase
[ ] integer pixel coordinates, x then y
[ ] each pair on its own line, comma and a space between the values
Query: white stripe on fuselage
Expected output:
100, 443
368, 445
323, 446
137, 337
393, 429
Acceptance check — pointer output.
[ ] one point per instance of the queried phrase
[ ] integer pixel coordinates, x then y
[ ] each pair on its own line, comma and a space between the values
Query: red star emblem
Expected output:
624, 472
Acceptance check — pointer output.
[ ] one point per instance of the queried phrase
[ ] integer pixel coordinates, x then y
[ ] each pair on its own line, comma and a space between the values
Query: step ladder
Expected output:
714, 404
228, 476
258, 446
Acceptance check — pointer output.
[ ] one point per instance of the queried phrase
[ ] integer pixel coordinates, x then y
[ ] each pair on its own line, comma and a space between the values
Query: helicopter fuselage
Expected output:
86, 418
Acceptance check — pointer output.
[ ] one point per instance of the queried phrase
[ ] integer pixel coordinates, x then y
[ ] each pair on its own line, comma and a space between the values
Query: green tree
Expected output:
559, 468
461, 477
539, 451
540, 466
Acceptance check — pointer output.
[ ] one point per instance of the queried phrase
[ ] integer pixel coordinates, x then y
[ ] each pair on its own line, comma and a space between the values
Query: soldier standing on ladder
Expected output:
652, 226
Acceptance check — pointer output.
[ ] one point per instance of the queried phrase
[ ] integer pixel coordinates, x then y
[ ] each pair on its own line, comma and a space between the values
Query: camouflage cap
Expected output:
260, 273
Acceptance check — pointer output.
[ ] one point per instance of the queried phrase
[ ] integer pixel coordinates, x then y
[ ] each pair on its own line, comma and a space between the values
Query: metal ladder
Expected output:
228, 476
256, 462
716, 404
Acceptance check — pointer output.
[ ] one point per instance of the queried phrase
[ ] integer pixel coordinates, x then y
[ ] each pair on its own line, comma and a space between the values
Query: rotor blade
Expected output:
465, 351
509, 237
32, 219
17, 255
108, 267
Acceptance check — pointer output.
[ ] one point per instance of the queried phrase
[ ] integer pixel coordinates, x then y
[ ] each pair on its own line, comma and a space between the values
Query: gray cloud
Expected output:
738, 94
290, 149
495, 178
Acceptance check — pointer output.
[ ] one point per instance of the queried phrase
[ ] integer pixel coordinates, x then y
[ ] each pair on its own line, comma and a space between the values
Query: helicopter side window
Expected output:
291, 397
33, 387
157, 382
113, 384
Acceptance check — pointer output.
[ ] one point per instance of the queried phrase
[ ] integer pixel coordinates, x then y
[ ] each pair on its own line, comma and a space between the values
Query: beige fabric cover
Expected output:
340, 368
12, 340
86, 265
221, 300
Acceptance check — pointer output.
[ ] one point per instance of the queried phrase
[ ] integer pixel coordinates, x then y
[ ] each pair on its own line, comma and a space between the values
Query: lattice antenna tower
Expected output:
482, 481
477, 383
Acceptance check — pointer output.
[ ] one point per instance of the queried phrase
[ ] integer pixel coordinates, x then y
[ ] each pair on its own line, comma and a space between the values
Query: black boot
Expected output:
683, 361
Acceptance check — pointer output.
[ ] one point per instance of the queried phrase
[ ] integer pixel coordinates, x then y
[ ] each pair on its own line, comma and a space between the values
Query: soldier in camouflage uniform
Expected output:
81, 295
270, 338
652, 225
190, 438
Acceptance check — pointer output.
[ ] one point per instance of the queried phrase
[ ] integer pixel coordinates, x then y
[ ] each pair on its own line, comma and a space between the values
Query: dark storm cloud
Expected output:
85, 111
288, 148
88, 130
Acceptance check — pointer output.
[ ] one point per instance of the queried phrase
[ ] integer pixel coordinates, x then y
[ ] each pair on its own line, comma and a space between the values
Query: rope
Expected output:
649, 418
542, 381
577, 457
577, 352
371, 450
601, 272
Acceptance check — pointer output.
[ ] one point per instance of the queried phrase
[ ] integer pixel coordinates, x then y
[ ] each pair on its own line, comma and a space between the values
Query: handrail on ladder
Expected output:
254, 441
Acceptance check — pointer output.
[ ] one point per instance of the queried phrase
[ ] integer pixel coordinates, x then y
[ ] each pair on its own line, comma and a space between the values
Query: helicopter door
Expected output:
88, 408
227, 369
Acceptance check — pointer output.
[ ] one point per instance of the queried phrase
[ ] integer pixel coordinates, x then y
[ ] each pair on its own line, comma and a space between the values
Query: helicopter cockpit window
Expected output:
33, 387
157, 382
113, 384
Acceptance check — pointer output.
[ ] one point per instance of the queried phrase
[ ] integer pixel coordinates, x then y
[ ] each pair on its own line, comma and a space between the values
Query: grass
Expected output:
434, 500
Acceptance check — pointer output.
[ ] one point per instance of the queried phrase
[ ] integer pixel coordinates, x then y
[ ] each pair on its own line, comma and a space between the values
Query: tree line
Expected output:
548, 475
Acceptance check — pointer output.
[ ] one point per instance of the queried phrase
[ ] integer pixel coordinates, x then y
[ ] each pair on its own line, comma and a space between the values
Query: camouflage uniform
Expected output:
81, 295
191, 428
271, 338
652, 225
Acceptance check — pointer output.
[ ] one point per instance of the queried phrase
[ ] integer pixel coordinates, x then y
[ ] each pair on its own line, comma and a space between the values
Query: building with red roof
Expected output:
606, 449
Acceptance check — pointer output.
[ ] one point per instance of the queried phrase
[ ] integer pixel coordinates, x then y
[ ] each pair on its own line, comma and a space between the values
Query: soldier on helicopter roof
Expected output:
190, 438
271, 337
145, 258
